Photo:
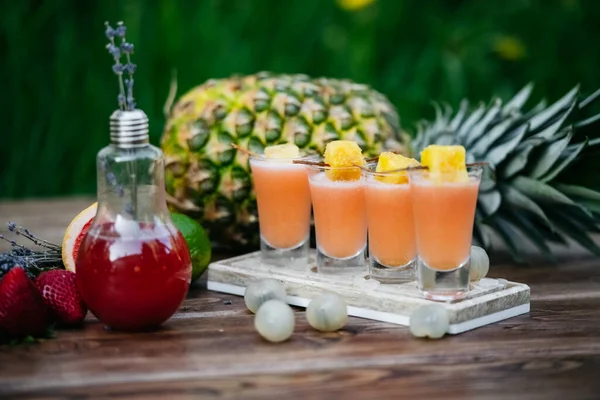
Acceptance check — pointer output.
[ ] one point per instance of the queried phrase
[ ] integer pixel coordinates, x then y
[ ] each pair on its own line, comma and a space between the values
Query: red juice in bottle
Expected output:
133, 281
133, 266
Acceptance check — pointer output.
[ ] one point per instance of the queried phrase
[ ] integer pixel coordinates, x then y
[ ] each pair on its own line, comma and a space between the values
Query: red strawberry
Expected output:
59, 290
22, 308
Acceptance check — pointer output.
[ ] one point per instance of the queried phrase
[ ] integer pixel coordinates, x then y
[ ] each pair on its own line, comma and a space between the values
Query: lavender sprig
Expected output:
125, 98
19, 230
33, 261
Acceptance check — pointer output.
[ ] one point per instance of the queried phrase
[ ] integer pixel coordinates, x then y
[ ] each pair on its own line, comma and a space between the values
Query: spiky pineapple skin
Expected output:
209, 180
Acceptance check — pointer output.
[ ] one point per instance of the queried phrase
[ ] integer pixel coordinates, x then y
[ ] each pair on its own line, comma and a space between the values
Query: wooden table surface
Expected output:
210, 349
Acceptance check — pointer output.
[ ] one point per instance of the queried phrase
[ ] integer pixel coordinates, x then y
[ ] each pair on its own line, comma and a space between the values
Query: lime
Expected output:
197, 241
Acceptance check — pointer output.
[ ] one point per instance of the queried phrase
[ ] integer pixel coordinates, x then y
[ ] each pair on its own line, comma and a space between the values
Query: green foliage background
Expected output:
57, 88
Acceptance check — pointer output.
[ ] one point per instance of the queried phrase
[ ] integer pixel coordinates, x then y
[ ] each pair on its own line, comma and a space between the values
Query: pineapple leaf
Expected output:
421, 137
548, 132
446, 139
480, 128
540, 191
508, 234
579, 191
594, 142
440, 121
447, 111
579, 216
496, 155
460, 115
550, 155
470, 121
518, 100
522, 223
590, 99
582, 217
516, 199
548, 234
587, 121
482, 236
571, 156
490, 137
593, 206
546, 115
517, 161
489, 201
524, 118
488, 179
534, 141
574, 231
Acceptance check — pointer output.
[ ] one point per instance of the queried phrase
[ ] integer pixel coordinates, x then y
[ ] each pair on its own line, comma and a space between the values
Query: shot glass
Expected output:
390, 220
444, 213
283, 199
340, 219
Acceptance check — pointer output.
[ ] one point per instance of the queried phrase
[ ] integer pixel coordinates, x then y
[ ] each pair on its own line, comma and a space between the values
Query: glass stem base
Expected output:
443, 285
384, 274
296, 257
332, 265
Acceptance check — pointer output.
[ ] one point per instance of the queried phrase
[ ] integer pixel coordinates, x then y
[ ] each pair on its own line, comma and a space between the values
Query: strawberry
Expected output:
22, 308
60, 293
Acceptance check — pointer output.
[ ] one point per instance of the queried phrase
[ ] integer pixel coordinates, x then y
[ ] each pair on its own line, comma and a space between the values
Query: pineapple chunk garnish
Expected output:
343, 153
288, 150
389, 162
445, 163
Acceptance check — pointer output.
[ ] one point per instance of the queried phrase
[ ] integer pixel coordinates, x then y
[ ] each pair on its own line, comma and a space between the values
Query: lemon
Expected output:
197, 241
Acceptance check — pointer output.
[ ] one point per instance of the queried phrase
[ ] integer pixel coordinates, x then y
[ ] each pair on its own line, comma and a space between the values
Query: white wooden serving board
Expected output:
488, 301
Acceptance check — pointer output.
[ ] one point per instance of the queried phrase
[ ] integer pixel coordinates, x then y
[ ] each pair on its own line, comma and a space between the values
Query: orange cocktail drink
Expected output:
392, 247
283, 199
444, 212
340, 219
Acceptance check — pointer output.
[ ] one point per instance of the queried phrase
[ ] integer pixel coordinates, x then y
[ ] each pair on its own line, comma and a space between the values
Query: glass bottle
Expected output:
133, 267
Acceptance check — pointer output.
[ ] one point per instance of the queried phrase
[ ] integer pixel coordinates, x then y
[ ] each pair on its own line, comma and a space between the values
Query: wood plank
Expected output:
515, 379
47, 219
210, 349
214, 340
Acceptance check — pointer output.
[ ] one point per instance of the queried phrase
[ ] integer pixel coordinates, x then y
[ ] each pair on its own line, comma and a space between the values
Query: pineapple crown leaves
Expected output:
123, 49
526, 191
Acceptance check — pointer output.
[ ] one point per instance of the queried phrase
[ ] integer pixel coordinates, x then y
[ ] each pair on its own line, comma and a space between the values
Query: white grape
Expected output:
260, 291
327, 312
274, 321
429, 321
480, 264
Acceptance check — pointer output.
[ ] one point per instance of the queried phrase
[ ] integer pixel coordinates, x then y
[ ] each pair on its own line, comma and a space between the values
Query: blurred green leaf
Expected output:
58, 90
540, 191
565, 162
516, 199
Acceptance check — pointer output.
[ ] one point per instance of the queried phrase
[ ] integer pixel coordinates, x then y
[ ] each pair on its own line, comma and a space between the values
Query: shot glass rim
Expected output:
370, 172
330, 168
473, 171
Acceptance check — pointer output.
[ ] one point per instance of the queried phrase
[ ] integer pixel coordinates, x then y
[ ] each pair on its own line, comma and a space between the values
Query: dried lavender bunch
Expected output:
125, 97
33, 261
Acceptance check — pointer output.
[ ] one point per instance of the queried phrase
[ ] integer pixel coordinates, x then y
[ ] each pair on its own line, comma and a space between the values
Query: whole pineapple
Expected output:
209, 180
526, 193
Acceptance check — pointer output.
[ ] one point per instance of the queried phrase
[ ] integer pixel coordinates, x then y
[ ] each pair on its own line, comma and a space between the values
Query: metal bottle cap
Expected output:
129, 128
